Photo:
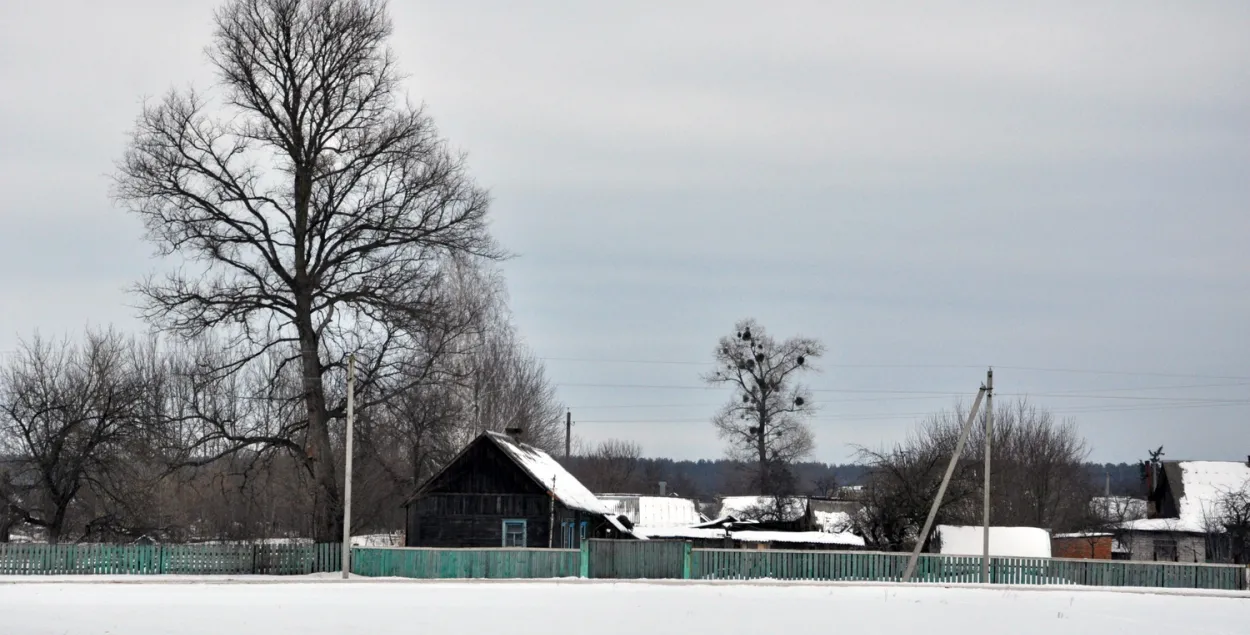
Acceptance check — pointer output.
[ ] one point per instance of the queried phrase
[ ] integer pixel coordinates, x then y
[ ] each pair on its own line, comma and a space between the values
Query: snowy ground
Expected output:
323, 606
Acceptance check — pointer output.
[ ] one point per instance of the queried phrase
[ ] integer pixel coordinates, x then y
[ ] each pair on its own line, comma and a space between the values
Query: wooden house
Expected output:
500, 492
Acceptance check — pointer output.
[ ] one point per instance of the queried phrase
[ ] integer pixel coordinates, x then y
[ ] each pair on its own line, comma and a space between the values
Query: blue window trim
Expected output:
583, 530
524, 531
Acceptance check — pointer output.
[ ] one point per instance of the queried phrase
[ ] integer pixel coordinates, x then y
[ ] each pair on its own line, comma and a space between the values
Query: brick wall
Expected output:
1085, 548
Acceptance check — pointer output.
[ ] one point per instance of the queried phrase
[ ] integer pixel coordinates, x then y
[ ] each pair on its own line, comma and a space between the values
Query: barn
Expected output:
500, 492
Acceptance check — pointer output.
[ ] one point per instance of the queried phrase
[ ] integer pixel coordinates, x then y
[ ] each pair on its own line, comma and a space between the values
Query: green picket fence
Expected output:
730, 564
637, 559
413, 562
201, 559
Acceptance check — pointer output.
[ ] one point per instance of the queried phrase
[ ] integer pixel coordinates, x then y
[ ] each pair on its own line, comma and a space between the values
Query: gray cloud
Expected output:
1058, 186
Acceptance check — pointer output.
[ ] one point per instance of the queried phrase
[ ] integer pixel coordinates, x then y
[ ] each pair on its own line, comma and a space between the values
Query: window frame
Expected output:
524, 532
1164, 544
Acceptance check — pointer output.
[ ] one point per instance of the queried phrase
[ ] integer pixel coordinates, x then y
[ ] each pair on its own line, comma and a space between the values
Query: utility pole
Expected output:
946, 479
346, 555
985, 514
551, 522
568, 433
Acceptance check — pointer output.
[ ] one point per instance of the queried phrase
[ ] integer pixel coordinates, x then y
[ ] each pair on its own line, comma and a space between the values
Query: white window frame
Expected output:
524, 532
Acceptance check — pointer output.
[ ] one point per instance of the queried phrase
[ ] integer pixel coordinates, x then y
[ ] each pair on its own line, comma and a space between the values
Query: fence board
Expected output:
408, 562
41, 559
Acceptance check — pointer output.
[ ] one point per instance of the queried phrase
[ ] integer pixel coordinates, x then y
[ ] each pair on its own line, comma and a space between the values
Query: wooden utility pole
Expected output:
568, 433
985, 513
346, 554
551, 522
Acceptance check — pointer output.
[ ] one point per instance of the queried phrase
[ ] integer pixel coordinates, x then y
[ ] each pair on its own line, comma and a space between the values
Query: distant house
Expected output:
1005, 542
500, 492
763, 522
1182, 508
654, 511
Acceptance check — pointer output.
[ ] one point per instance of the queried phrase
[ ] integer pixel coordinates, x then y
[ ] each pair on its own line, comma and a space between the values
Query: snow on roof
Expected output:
678, 532
378, 540
1007, 542
550, 474
1085, 534
742, 507
750, 535
845, 538
832, 522
1203, 483
654, 511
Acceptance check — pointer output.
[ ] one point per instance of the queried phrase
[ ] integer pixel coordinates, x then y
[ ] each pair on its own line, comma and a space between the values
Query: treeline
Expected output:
706, 479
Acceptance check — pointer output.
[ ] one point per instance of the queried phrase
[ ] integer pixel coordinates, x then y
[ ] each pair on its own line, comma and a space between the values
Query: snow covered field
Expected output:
317, 607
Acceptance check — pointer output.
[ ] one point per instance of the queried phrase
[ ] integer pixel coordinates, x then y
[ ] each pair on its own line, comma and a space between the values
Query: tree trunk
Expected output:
763, 439
327, 516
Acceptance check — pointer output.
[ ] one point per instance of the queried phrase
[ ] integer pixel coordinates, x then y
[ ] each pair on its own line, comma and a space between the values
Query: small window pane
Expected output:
514, 533
1165, 550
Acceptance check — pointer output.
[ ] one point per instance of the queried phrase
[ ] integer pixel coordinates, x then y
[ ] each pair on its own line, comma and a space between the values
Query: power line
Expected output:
1040, 369
910, 415
829, 390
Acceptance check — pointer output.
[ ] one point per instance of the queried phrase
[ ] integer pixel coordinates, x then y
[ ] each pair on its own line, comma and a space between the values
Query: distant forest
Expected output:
707, 479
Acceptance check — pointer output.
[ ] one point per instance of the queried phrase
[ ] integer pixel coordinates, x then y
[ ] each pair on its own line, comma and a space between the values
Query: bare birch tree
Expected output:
317, 211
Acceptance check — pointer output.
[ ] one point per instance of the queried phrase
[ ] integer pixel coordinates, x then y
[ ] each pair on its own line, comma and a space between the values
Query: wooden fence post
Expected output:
685, 560
584, 560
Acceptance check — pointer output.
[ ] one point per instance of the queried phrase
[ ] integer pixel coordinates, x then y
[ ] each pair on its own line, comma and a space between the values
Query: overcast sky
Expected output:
1051, 189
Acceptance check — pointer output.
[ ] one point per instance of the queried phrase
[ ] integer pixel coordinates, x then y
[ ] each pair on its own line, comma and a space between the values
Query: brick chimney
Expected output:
514, 433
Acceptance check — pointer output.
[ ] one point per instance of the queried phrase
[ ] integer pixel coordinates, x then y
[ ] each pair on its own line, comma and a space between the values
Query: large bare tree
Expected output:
316, 212
764, 423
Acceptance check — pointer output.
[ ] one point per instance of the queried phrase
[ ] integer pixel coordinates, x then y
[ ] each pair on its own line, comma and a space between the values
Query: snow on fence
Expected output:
198, 559
674, 559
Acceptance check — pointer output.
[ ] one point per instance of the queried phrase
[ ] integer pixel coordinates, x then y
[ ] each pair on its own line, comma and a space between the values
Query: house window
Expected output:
1165, 549
514, 533
566, 530
582, 533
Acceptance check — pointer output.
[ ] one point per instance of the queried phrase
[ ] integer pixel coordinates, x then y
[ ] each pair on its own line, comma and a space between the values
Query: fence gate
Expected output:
638, 559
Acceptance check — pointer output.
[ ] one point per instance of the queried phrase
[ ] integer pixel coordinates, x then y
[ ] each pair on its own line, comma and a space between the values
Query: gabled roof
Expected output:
1197, 487
549, 474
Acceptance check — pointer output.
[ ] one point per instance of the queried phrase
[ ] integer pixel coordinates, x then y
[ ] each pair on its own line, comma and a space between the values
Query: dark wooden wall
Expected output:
465, 506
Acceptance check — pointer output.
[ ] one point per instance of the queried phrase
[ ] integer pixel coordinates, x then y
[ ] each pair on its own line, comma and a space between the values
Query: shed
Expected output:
500, 492
1005, 542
